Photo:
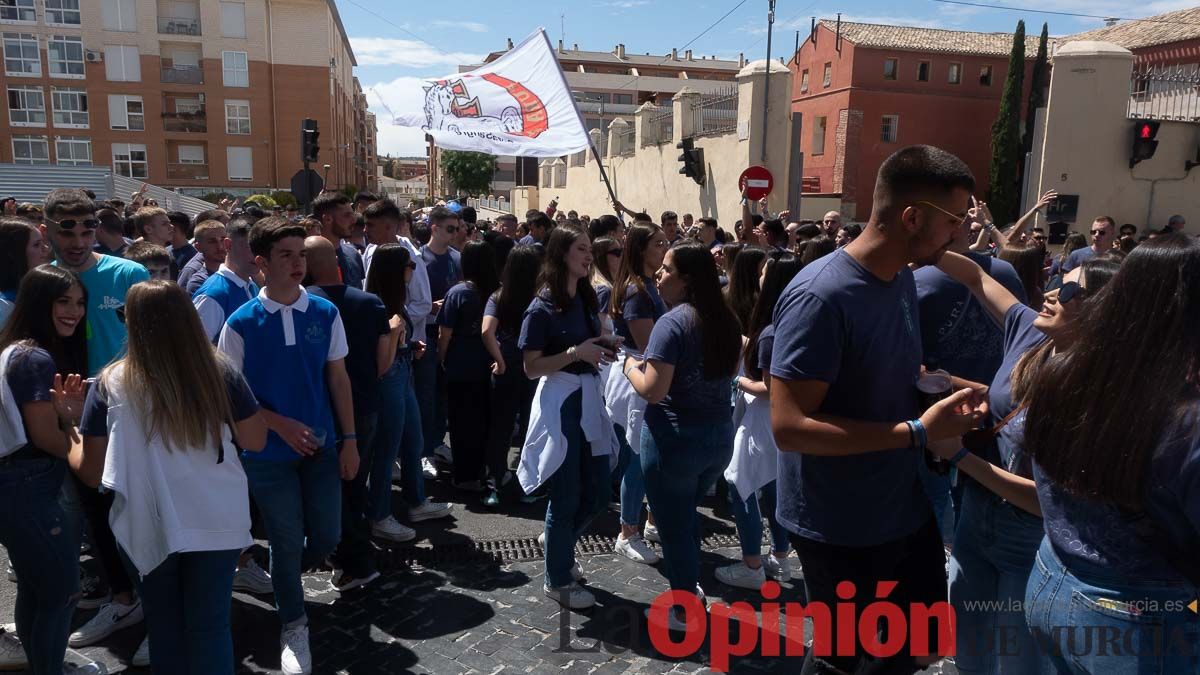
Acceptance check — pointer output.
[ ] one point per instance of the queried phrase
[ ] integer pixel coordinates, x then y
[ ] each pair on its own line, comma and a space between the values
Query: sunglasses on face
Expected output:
1069, 291
121, 314
616, 252
958, 218
451, 229
90, 223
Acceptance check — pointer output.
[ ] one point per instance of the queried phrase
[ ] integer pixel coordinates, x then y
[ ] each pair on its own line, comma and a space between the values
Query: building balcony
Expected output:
185, 121
182, 75
187, 171
170, 25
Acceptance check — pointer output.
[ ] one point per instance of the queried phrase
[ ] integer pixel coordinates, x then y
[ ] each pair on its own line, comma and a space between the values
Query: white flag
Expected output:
518, 104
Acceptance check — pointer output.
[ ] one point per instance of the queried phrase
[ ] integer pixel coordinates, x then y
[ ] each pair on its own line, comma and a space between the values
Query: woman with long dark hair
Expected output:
510, 389
1000, 528
1073, 242
398, 433
607, 253
159, 431
22, 248
751, 471
1121, 497
570, 446
467, 363
742, 291
42, 352
686, 377
1028, 263
634, 307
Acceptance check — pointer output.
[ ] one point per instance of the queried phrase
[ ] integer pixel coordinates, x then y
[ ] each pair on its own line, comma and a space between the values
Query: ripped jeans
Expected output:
44, 554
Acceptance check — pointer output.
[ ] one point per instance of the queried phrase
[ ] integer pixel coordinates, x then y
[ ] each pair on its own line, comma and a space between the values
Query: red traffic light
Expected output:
1145, 131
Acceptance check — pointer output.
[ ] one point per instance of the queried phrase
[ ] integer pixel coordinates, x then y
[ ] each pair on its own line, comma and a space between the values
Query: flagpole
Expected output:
600, 164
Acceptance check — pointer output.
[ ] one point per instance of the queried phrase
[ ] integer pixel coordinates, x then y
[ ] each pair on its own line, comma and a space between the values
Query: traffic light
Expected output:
309, 148
1144, 144
693, 160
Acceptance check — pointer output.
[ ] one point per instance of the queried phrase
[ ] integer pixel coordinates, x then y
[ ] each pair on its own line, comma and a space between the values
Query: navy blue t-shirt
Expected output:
507, 339
365, 320
30, 375
1088, 534
957, 333
94, 421
350, 263
444, 271
1077, 258
692, 398
551, 332
466, 358
1019, 337
838, 323
766, 346
646, 304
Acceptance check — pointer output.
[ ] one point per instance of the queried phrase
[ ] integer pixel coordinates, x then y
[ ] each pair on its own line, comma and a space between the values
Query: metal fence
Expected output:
659, 128
628, 141
1165, 93
716, 112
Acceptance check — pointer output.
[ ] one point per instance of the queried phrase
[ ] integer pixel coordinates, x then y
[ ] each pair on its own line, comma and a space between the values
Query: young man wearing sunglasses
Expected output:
1103, 231
443, 264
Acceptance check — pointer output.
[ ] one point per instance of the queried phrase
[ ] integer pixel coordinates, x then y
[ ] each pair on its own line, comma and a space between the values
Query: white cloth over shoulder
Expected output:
545, 445
625, 406
170, 501
755, 455
12, 428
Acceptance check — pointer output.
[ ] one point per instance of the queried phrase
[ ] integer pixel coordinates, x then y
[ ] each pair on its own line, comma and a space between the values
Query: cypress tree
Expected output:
1037, 89
1004, 191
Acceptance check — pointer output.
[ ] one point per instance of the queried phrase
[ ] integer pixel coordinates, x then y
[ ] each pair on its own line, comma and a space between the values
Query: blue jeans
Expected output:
353, 552
508, 400
578, 492
301, 505
187, 600
680, 463
44, 552
633, 484
994, 548
1086, 624
747, 515
937, 489
397, 434
430, 381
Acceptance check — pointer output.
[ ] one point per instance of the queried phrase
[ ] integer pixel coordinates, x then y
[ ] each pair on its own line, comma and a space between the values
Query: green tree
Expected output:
350, 190
1004, 193
264, 201
389, 167
470, 172
1037, 89
284, 198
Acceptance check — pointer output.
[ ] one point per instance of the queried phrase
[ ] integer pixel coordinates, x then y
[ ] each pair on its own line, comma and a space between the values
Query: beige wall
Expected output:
1087, 138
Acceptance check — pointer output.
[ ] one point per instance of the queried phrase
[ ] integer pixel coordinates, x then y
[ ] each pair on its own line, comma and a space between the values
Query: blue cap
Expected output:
454, 207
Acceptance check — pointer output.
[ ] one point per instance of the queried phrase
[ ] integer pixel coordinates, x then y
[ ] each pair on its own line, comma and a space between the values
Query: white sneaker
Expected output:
444, 452
250, 578
673, 621
391, 530
650, 533
571, 596
295, 659
397, 472
542, 540
430, 510
428, 468
89, 668
345, 583
636, 549
12, 654
111, 618
141, 658
12, 574
779, 569
738, 574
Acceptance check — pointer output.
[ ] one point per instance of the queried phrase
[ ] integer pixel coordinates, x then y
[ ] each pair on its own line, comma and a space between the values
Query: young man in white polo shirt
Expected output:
290, 347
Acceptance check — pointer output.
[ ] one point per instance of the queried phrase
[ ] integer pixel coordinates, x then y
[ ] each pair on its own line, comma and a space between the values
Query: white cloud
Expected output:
627, 4
472, 26
373, 51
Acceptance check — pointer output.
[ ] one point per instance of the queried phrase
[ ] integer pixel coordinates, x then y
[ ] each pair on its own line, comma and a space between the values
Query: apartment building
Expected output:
199, 95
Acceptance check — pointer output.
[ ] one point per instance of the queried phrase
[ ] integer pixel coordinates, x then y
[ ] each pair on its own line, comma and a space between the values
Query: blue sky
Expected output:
395, 49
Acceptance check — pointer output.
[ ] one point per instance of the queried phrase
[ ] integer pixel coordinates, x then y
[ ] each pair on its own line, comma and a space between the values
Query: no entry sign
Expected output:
756, 182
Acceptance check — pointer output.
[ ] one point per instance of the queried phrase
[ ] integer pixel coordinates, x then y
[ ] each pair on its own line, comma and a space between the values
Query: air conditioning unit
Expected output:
94, 56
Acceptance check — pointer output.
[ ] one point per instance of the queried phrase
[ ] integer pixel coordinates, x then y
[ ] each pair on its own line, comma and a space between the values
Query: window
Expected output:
818, 139
121, 63
30, 150
73, 151
18, 10
62, 12
889, 69
828, 75
26, 107
21, 55
985, 76
125, 112
235, 70
923, 71
233, 19
954, 76
191, 154
64, 55
804, 81
70, 107
237, 117
129, 160
241, 163
119, 15
891, 126
623, 99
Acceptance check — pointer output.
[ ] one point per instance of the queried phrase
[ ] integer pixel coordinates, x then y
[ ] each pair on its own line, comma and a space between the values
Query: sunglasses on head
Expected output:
1069, 291
616, 252
70, 223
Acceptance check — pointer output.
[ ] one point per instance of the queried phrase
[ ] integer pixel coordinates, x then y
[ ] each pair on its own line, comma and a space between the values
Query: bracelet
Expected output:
920, 438
349, 437
571, 352
962, 452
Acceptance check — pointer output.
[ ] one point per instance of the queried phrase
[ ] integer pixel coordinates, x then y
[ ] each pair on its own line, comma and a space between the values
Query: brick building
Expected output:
1170, 39
201, 95
867, 90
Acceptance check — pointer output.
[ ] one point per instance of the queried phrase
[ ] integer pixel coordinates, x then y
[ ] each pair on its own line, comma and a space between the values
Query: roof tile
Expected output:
1162, 29
931, 39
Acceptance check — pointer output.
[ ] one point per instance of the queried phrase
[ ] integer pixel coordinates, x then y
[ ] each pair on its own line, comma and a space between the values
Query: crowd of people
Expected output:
874, 391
